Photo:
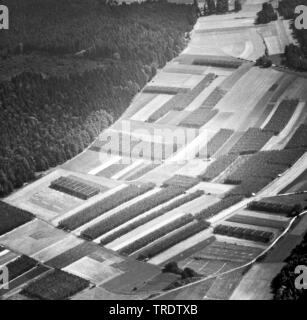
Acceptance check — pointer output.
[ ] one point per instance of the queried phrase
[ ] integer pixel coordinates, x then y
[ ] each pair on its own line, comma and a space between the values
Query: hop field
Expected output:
106, 204
156, 234
299, 139
158, 213
244, 233
132, 211
172, 239
281, 116
252, 141
218, 166
215, 96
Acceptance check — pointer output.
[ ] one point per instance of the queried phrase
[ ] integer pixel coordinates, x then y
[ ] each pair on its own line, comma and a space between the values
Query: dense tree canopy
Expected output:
267, 14
46, 118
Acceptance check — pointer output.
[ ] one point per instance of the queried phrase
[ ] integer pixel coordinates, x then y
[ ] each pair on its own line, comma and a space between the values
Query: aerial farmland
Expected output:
206, 169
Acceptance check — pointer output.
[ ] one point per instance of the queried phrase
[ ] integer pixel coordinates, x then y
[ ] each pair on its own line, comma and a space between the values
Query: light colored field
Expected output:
85, 162
280, 141
49, 204
139, 101
181, 80
154, 105
57, 248
217, 189
32, 237
224, 22
256, 283
173, 117
175, 67
199, 204
194, 168
111, 160
92, 270
245, 94
273, 45
122, 173
244, 43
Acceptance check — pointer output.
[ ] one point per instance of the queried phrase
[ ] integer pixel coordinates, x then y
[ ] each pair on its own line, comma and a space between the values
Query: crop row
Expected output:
281, 116
215, 143
274, 207
104, 205
214, 209
131, 212
299, 139
215, 62
244, 233
155, 214
172, 239
214, 97
218, 166
252, 141
12, 217
182, 181
260, 222
164, 90
198, 118
156, 234
182, 100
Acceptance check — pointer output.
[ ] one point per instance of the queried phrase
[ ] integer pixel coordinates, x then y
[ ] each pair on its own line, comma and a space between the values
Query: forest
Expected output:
105, 54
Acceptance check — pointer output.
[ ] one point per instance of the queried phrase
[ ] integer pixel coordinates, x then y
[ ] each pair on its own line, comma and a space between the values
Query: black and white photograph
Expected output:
153, 152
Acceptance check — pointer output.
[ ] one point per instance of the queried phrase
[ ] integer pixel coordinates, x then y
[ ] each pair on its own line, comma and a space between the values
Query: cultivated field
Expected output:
193, 175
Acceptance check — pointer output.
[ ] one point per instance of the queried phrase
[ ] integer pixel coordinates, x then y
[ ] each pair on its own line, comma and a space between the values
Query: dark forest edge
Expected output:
295, 56
46, 118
